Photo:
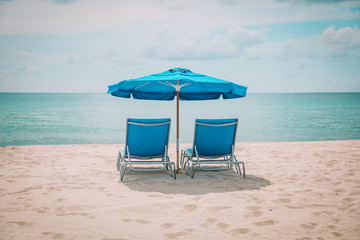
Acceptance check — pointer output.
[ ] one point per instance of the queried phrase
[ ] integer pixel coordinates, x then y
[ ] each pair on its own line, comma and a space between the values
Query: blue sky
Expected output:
267, 45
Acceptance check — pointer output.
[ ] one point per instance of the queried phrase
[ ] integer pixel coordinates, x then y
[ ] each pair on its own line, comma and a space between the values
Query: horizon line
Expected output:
247, 92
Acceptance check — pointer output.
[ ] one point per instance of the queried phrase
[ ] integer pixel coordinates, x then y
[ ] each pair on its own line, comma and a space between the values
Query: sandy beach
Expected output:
292, 190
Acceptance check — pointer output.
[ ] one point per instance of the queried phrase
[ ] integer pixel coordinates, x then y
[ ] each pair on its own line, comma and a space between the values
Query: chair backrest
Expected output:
214, 137
147, 137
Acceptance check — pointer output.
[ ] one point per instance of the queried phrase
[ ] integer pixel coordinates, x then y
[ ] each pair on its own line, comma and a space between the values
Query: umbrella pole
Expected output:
177, 130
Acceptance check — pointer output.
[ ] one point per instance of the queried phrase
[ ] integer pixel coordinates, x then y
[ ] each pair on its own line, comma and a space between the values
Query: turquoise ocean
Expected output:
73, 118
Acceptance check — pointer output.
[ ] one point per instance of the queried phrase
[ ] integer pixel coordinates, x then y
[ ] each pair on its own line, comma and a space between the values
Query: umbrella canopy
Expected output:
179, 82
163, 86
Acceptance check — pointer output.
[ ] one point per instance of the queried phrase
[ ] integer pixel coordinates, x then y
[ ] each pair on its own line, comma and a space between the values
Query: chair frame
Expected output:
192, 160
125, 158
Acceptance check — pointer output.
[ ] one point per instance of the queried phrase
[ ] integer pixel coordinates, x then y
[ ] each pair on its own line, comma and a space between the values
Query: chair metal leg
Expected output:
237, 168
118, 161
186, 160
166, 166
243, 165
172, 171
193, 169
122, 171
182, 158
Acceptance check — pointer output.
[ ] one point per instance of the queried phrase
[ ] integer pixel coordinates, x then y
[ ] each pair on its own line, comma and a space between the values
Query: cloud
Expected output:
347, 37
64, 1
228, 2
22, 69
203, 45
17, 53
11, 58
68, 17
331, 43
84, 16
108, 56
56, 1
315, 1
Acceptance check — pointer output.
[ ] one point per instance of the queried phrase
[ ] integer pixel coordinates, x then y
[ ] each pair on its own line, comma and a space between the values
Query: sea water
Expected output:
69, 118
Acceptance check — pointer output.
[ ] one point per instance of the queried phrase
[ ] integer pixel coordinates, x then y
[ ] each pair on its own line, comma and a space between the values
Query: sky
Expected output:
266, 45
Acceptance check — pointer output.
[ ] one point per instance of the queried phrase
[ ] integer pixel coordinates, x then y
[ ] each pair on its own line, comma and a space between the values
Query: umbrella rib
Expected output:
177, 87
167, 83
141, 85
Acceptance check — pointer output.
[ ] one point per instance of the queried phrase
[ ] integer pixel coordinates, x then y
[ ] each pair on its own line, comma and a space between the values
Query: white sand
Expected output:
294, 190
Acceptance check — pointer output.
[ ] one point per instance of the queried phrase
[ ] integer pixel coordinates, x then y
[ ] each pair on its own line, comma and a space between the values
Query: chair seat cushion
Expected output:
188, 150
122, 151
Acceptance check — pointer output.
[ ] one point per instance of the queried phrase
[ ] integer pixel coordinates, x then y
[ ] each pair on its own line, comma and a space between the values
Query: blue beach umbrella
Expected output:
179, 82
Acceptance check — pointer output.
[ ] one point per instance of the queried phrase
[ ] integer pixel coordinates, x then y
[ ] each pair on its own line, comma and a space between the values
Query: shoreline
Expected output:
174, 143
292, 190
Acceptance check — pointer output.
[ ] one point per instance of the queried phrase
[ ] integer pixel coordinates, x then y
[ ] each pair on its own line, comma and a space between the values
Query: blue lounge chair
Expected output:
145, 140
214, 143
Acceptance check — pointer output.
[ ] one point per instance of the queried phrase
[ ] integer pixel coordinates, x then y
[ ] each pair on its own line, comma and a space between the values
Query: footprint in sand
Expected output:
254, 214
265, 223
349, 199
155, 195
85, 214
197, 198
209, 222
336, 234
222, 225
339, 190
322, 213
54, 235
237, 231
167, 225
335, 220
254, 211
26, 190
175, 235
308, 226
332, 227
282, 200
21, 224
348, 205
190, 207
253, 208
40, 210
285, 194
142, 221
258, 200
218, 208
